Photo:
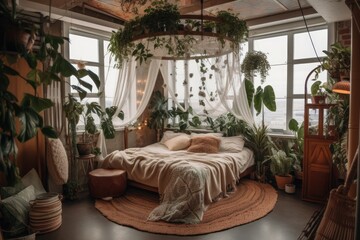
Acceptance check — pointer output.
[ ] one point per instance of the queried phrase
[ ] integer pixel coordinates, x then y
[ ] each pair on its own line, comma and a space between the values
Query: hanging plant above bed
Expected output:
162, 30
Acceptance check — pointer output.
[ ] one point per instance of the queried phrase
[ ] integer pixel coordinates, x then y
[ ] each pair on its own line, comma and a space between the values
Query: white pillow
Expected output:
211, 134
32, 178
169, 135
232, 144
178, 143
57, 161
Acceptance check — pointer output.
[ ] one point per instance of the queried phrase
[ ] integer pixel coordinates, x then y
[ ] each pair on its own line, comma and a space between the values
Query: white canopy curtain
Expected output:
183, 79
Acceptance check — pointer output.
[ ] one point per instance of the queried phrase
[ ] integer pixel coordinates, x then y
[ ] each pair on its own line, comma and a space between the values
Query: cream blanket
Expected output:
187, 182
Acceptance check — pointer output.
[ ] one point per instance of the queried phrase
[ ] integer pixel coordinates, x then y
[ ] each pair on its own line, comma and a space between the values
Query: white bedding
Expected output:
187, 182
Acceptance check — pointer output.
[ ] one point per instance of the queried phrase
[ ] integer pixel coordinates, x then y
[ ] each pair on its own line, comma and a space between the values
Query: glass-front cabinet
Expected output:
317, 164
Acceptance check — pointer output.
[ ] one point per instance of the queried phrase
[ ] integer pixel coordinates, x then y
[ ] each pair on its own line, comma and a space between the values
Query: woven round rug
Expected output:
250, 201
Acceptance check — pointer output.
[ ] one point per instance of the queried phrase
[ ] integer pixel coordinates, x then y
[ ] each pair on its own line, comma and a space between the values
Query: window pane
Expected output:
84, 48
303, 47
298, 110
300, 73
275, 120
274, 47
74, 81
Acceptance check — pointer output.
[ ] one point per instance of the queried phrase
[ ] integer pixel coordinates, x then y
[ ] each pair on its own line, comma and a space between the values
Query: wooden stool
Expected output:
105, 183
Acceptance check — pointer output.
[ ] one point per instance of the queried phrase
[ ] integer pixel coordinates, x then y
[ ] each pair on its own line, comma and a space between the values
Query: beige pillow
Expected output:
178, 143
207, 134
204, 144
169, 135
232, 144
57, 161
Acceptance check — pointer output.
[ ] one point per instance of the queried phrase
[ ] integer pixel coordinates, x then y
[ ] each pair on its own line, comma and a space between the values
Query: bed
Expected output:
188, 171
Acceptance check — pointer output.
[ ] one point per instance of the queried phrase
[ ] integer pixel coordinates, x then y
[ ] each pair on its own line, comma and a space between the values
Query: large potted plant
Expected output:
281, 166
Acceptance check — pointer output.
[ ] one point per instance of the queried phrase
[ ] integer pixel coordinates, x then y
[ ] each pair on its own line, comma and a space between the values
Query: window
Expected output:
291, 57
91, 49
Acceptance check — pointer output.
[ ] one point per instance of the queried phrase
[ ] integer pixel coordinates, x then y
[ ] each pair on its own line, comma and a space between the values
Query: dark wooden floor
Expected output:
81, 221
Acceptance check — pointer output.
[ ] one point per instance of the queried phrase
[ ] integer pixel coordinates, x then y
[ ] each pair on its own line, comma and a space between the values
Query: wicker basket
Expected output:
338, 222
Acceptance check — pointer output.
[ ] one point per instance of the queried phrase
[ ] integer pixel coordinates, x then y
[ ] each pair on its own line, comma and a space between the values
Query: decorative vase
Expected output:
281, 181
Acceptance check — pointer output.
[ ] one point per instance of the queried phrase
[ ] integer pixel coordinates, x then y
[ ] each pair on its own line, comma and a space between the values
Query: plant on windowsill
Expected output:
280, 167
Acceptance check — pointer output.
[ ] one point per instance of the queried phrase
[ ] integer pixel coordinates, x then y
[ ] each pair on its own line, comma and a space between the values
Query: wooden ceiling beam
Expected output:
207, 4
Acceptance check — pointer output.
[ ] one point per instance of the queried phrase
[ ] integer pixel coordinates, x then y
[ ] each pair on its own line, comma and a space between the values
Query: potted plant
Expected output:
297, 147
258, 140
336, 61
281, 166
256, 62
159, 113
229, 25
318, 94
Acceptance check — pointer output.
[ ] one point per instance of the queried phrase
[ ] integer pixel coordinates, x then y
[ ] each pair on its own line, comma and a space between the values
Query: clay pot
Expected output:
281, 181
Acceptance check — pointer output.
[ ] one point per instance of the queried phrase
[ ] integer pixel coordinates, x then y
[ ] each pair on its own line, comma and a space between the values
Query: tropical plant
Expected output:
186, 118
258, 140
280, 163
297, 144
159, 113
337, 61
228, 124
256, 61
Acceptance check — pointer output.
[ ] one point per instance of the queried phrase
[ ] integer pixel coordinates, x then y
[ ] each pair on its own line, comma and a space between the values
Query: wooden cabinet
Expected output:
317, 164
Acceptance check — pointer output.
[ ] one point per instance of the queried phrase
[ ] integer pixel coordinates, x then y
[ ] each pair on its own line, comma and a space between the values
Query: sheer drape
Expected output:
213, 86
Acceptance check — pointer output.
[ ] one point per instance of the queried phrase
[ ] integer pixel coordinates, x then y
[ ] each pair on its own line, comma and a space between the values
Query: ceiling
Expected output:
247, 9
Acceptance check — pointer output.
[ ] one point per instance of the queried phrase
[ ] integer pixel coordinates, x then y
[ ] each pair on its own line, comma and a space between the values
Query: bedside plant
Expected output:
281, 166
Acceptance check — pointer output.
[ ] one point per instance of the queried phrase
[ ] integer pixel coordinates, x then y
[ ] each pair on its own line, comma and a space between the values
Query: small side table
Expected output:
104, 183
87, 160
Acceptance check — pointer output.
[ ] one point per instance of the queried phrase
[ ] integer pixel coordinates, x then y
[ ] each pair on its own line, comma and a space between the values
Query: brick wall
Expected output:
344, 32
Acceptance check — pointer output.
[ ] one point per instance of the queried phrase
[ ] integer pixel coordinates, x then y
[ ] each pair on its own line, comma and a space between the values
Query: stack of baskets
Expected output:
45, 213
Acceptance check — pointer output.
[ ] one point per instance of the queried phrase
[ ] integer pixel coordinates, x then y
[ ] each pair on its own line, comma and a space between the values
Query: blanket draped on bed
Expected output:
187, 182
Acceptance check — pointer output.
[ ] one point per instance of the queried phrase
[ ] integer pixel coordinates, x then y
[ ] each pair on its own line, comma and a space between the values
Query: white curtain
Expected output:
218, 89
146, 72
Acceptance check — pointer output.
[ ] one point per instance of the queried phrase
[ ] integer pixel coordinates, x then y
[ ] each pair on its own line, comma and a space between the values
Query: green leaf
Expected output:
95, 78
108, 128
258, 100
49, 132
250, 89
269, 98
37, 103
31, 60
64, 67
110, 111
293, 125
82, 93
85, 84
30, 122
10, 71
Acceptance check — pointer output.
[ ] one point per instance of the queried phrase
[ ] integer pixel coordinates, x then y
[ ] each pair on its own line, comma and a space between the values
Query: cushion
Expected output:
6, 192
207, 134
204, 144
178, 143
15, 211
57, 161
32, 178
232, 144
169, 135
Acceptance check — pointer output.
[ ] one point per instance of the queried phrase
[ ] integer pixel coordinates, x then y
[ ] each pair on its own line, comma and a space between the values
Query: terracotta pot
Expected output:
281, 181
318, 99
84, 148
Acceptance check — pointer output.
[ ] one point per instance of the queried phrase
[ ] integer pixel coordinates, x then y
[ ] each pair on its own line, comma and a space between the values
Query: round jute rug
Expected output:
251, 201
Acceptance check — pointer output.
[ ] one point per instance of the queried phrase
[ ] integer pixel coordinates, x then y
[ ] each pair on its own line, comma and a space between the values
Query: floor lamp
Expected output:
343, 87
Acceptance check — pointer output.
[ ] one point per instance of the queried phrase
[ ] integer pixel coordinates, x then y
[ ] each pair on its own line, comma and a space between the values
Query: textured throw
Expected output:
250, 201
187, 182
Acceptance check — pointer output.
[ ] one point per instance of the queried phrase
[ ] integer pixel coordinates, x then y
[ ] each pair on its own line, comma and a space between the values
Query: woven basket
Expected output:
338, 222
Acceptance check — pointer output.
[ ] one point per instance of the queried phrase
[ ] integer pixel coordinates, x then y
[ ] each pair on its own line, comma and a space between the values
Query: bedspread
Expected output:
187, 182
